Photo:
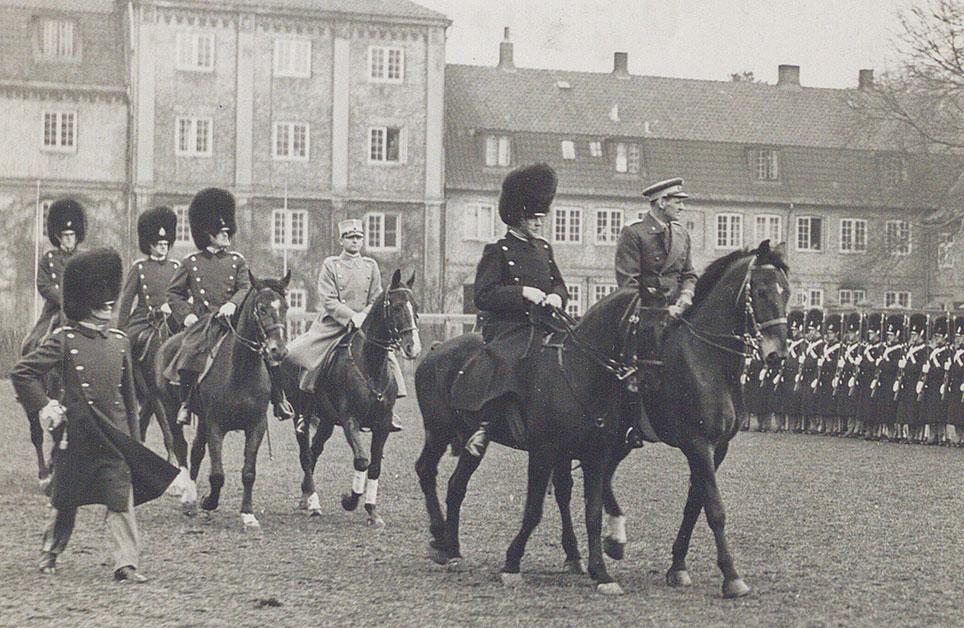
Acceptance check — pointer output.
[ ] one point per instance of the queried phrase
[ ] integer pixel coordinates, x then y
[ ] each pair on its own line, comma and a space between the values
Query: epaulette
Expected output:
139, 261
192, 257
61, 328
175, 262
633, 222
331, 258
372, 260
117, 332
539, 237
236, 254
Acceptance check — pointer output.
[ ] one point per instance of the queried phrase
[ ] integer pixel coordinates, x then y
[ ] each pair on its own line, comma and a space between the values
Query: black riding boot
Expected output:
187, 381
279, 401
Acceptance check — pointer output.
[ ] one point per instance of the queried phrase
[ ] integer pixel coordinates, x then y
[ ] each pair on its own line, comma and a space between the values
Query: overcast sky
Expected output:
710, 39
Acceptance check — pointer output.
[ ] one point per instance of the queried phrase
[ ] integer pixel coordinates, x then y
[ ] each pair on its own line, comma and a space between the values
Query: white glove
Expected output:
926, 368
227, 310
902, 363
190, 319
166, 308
554, 300
53, 414
534, 295
675, 310
358, 318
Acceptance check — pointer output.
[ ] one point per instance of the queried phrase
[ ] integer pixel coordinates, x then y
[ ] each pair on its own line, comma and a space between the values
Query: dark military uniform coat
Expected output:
955, 389
809, 369
888, 369
908, 408
651, 252
147, 282
863, 390
933, 407
786, 397
103, 459
506, 267
754, 386
827, 369
209, 280
49, 275
852, 357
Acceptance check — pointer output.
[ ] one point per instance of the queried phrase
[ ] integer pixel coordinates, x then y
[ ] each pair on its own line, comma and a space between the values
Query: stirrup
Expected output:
283, 409
184, 415
477, 443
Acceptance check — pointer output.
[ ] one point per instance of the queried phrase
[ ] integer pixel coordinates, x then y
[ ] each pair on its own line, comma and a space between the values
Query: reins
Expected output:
392, 343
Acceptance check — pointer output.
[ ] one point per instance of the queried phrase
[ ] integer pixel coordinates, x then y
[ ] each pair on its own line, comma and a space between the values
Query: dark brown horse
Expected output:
234, 393
739, 307
148, 397
358, 392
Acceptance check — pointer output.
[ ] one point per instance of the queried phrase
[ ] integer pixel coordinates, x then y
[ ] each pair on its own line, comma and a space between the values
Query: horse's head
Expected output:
767, 295
401, 316
269, 313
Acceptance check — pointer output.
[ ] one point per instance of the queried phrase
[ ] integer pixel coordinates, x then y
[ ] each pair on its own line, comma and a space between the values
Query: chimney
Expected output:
621, 65
788, 75
505, 52
865, 80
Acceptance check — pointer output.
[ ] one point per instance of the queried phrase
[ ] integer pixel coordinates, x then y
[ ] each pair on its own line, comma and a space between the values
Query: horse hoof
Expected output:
250, 523
614, 549
510, 579
189, 508
680, 578
314, 512
209, 504
609, 588
575, 567
454, 564
303, 503
349, 501
44, 483
439, 556
735, 588
375, 521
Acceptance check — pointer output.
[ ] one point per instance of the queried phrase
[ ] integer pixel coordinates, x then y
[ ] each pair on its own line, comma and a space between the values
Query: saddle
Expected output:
309, 378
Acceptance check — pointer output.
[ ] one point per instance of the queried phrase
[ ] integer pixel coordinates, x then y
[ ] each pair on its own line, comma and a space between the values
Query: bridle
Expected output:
259, 345
394, 340
752, 334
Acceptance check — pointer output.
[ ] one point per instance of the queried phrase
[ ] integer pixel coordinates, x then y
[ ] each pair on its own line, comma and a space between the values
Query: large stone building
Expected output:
784, 162
63, 130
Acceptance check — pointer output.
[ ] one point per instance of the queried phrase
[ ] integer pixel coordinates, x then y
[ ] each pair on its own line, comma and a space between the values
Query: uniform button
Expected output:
84, 385
230, 277
53, 275
194, 268
198, 279
202, 290
234, 265
79, 367
511, 263
142, 275
90, 402
515, 279
70, 335
206, 304
505, 248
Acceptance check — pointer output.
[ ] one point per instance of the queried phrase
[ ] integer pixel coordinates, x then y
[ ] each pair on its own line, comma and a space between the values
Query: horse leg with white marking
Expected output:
189, 492
594, 472
614, 542
309, 454
349, 501
252, 441
379, 437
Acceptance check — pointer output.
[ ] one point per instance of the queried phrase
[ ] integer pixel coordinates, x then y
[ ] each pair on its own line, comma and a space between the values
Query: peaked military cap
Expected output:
527, 192
670, 187
66, 215
211, 210
91, 280
814, 318
155, 225
350, 226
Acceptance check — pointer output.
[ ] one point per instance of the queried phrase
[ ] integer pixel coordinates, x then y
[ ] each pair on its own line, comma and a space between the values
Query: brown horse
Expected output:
148, 397
234, 393
358, 392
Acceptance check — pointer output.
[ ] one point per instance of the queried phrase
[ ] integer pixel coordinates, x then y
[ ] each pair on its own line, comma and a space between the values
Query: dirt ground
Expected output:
826, 531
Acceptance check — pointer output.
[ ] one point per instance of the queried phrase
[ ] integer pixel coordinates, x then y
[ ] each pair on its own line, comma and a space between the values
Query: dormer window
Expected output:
568, 149
595, 149
498, 150
892, 169
627, 157
764, 164
57, 39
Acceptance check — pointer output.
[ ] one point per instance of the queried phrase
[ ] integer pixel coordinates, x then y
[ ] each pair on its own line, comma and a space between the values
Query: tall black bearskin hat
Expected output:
91, 279
65, 215
831, 324
211, 210
155, 225
795, 320
940, 325
894, 324
872, 323
852, 321
959, 327
814, 319
918, 324
527, 192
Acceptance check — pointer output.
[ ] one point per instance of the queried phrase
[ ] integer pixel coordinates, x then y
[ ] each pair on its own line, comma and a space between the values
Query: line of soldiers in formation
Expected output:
895, 376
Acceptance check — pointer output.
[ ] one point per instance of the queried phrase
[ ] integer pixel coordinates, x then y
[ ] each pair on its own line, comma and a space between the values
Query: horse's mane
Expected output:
616, 302
717, 268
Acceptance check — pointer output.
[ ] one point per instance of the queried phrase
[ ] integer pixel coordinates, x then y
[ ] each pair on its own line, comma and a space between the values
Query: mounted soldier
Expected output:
516, 283
348, 285
209, 283
99, 458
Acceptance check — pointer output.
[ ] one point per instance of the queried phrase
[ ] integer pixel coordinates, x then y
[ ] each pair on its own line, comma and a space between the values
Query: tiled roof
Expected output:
388, 8
700, 130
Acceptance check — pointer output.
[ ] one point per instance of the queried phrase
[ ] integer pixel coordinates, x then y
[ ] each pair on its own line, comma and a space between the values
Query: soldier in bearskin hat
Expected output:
786, 395
934, 375
916, 354
887, 376
847, 365
809, 369
954, 390
862, 387
515, 280
825, 407
99, 459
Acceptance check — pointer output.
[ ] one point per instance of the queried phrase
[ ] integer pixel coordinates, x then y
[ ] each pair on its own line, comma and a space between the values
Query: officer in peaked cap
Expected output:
932, 385
653, 254
916, 354
516, 282
99, 458
810, 360
348, 285
954, 391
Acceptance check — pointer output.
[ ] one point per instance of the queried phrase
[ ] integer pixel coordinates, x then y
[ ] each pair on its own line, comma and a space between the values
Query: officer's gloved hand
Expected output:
190, 319
166, 308
227, 310
534, 295
554, 300
358, 318
52, 414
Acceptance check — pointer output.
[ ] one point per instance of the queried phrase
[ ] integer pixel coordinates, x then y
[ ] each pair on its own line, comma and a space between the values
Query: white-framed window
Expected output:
851, 296
498, 150
45, 210
386, 145
898, 237
193, 137
574, 305
609, 222
768, 227
945, 252
182, 234
627, 157
601, 290
765, 164
386, 64
289, 229
290, 142
815, 297
897, 299
297, 304
567, 225
60, 131
58, 39
809, 233
853, 235
195, 51
568, 149
297, 299
729, 231
382, 231
292, 57
595, 149
479, 222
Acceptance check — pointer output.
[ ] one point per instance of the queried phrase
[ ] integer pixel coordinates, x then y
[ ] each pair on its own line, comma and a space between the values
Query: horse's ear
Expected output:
286, 280
764, 248
780, 250
396, 279
411, 280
